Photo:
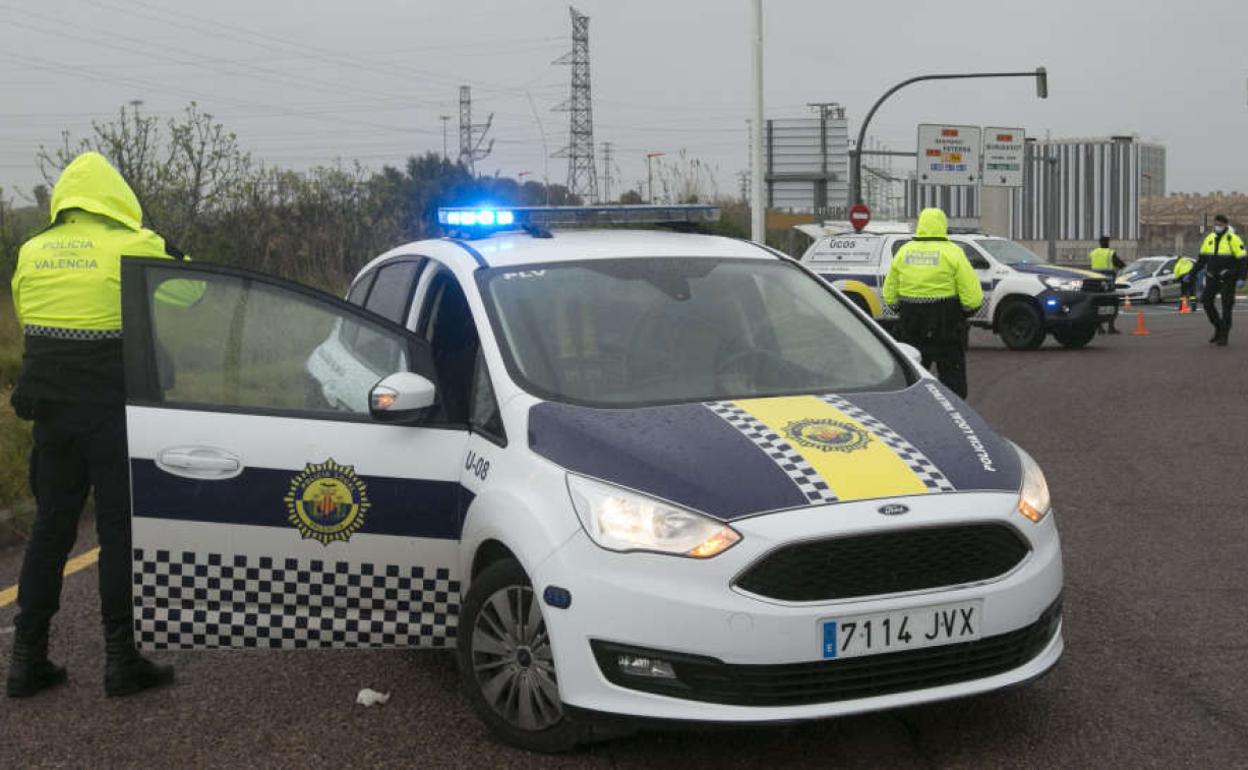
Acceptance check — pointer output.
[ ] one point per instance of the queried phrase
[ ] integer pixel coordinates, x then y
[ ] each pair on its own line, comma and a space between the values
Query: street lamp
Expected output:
855, 170
650, 174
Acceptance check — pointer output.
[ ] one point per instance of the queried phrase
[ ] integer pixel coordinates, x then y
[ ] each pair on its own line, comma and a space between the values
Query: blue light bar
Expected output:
478, 220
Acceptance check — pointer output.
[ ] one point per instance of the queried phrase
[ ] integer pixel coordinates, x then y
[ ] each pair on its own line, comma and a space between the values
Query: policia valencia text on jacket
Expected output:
67, 293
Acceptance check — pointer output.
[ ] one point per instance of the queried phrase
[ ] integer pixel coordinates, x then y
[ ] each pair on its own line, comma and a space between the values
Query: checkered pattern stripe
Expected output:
32, 330
808, 481
918, 462
187, 600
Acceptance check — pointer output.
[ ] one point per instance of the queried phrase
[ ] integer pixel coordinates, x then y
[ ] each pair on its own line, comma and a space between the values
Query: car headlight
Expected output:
1033, 496
1063, 284
619, 520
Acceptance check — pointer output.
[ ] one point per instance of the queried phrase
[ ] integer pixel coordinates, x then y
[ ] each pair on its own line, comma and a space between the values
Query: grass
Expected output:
14, 433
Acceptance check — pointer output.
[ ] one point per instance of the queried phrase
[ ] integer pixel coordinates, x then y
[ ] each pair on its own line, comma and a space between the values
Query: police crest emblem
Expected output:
828, 435
327, 502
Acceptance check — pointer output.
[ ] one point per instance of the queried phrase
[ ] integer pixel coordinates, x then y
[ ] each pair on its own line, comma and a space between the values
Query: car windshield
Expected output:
628, 332
1140, 268
1009, 252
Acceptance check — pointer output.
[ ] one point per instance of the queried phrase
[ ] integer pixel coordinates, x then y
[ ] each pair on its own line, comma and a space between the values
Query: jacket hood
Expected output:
932, 224
90, 183
733, 459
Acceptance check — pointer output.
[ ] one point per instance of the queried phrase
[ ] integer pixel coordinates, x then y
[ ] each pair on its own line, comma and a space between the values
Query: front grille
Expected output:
885, 563
796, 684
1096, 285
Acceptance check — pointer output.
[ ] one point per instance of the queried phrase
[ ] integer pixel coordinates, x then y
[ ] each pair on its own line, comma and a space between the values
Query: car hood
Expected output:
732, 459
1056, 271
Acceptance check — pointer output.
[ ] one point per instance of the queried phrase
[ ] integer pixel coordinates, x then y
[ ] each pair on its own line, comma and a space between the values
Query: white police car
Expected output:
1025, 298
623, 473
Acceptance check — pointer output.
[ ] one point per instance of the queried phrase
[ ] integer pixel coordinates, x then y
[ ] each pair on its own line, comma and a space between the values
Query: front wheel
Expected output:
1154, 296
506, 666
1020, 326
1075, 337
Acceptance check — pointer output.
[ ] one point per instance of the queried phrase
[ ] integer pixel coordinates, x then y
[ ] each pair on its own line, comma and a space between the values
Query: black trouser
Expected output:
1112, 277
78, 448
1223, 284
1187, 285
939, 331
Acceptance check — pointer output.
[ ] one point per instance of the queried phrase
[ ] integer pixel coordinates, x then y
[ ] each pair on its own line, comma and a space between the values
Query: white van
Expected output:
1025, 297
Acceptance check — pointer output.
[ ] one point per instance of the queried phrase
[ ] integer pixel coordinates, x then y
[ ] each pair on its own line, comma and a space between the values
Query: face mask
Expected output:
1220, 229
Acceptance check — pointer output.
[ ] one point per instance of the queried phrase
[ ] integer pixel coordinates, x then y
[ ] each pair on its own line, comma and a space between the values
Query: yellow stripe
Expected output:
871, 470
79, 562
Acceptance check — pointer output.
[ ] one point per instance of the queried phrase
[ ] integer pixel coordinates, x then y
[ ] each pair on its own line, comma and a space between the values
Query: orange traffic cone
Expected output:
1140, 329
1183, 306
1126, 303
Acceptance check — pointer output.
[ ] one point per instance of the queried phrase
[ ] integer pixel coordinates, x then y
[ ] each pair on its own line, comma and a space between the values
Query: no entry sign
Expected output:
859, 216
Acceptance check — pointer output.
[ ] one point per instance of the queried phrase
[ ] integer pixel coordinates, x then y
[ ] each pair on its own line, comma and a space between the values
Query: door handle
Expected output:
199, 462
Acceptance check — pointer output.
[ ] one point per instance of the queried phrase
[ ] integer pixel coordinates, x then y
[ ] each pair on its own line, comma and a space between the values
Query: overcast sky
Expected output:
307, 82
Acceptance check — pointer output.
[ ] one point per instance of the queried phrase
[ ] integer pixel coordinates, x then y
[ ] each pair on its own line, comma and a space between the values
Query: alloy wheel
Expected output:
512, 659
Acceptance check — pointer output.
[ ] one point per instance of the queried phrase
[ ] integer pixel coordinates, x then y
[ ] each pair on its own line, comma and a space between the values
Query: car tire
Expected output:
858, 300
1020, 326
1075, 337
506, 668
1154, 296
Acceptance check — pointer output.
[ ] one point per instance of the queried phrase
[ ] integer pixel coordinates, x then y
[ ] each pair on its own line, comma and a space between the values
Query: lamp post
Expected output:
758, 213
650, 174
855, 170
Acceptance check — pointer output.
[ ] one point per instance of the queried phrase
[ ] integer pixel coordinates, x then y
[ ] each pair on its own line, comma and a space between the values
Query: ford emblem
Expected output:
893, 509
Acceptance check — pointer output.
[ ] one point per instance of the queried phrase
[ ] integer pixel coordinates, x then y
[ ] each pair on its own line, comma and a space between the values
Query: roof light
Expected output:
481, 220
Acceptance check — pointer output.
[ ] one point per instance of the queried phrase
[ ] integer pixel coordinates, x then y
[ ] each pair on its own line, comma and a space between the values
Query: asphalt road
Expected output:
1143, 441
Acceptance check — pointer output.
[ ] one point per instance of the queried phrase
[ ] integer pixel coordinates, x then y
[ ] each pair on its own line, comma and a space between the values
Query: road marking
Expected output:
79, 562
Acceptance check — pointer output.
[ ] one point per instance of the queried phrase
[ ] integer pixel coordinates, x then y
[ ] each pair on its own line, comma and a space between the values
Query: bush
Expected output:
15, 445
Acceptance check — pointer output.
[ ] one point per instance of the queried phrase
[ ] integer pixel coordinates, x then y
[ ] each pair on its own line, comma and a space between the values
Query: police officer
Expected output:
1187, 279
934, 289
1223, 258
1106, 262
66, 290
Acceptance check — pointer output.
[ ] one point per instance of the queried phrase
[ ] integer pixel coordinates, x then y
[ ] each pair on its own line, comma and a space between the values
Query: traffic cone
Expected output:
1140, 329
1126, 303
1184, 308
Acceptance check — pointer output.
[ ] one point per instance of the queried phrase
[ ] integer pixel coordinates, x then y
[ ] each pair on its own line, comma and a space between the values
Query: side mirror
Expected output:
911, 352
400, 397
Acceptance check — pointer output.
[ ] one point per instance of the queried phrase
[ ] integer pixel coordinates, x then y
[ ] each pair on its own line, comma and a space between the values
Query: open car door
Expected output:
269, 508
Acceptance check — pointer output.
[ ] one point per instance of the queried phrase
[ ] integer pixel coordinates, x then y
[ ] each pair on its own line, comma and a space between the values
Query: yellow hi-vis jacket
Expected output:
931, 267
1228, 244
1102, 258
1183, 266
68, 278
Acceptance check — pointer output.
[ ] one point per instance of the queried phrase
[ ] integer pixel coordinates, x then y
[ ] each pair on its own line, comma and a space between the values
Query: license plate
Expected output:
857, 635
1106, 310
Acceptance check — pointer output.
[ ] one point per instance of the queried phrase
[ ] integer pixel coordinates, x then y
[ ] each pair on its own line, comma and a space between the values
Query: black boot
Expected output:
126, 672
30, 671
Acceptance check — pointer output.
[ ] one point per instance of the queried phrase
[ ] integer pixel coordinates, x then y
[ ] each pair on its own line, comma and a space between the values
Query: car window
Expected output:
974, 256
627, 332
446, 323
392, 290
359, 291
484, 415
252, 344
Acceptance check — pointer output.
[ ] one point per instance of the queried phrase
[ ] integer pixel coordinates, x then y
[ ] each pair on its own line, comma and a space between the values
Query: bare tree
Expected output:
686, 180
181, 171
